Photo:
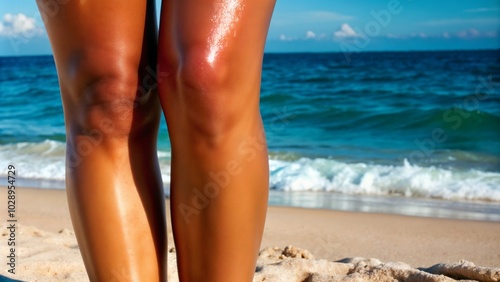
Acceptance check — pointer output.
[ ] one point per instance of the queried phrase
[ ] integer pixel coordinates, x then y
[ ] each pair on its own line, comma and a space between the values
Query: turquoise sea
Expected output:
402, 132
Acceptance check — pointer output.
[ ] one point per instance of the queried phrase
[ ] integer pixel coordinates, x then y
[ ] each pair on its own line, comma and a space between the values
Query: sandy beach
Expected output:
47, 249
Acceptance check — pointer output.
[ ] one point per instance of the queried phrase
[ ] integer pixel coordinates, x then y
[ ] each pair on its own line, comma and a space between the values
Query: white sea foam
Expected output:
45, 161
406, 179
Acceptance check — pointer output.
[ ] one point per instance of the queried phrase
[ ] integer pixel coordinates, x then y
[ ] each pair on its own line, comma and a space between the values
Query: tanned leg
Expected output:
212, 52
106, 65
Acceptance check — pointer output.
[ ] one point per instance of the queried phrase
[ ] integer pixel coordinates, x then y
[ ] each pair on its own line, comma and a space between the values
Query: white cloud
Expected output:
310, 35
474, 33
469, 33
481, 21
286, 38
464, 34
481, 10
345, 31
19, 24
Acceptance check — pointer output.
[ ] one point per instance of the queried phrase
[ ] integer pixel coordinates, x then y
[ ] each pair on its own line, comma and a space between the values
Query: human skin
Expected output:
113, 182
212, 53
209, 63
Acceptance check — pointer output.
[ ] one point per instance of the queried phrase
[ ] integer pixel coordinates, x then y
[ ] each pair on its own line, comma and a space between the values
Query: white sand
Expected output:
47, 249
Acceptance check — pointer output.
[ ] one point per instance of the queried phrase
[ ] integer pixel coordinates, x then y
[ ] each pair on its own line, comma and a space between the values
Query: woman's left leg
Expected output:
105, 53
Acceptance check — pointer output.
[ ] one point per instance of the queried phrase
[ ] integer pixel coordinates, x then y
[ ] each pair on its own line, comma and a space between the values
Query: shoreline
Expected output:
384, 204
327, 234
389, 204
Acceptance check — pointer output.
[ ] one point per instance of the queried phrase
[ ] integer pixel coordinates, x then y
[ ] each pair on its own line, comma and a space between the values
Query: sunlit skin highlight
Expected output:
224, 20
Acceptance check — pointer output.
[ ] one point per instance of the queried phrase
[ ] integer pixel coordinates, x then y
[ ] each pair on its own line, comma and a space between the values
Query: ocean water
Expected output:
385, 129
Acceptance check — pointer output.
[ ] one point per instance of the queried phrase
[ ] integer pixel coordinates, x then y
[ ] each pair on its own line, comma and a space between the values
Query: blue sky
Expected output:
321, 26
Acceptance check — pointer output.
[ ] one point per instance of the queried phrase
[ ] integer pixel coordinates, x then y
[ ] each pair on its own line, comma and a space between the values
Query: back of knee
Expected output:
107, 100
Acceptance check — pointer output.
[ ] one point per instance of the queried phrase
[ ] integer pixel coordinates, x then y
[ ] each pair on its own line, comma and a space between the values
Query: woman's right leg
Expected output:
213, 51
106, 66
